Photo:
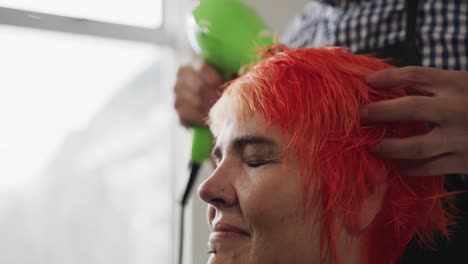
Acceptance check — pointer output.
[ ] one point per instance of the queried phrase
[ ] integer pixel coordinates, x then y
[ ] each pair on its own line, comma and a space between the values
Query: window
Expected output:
142, 13
87, 134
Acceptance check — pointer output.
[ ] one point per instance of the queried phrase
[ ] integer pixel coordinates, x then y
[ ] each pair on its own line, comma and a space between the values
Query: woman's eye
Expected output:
256, 163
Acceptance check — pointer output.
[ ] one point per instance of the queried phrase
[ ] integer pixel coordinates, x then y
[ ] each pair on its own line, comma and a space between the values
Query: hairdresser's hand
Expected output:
197, 88
444, 150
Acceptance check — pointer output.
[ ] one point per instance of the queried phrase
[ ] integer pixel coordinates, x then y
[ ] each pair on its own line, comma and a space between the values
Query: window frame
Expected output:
160, 36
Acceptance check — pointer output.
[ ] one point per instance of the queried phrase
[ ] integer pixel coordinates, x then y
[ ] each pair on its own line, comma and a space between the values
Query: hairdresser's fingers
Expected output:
187, 115
434, 81
448, 163
197, 102
209, 75
184, 95
411, 76
188, 103
424, 146
408, 108
191, 80
197, 88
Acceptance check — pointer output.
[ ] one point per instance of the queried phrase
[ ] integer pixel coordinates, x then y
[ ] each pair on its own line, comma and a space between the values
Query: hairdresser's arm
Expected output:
444, 149
197, 88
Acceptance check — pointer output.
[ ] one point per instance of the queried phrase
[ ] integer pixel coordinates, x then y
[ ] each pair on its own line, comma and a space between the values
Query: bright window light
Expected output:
85, 149
143, 13
52, 84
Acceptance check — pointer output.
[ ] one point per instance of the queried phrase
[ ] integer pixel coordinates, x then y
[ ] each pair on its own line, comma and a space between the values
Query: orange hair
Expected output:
315, 96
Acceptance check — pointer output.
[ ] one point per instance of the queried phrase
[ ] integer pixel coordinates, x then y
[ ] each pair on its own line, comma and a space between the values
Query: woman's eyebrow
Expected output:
241, 142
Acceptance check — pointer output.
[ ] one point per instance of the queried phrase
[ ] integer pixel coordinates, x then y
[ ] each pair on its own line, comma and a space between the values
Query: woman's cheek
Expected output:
261, 208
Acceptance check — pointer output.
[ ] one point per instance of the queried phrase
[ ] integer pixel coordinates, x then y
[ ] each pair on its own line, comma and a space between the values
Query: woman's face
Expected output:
256, 199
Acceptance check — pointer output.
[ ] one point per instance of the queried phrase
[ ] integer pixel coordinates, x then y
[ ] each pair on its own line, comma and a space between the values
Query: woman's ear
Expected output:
371, 206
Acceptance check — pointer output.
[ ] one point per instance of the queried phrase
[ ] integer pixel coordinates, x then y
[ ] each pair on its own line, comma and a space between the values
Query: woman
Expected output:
294, 181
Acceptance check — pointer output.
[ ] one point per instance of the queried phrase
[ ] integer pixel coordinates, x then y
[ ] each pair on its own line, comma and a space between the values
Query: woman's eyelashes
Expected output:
256, 162
253, 163
253, 156
259, 155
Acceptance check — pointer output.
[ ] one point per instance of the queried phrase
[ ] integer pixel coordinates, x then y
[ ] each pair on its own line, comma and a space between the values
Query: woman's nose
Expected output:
218, 189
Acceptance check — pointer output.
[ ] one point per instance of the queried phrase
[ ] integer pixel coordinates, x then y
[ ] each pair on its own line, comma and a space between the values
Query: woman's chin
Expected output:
230, 253
227, 258
229, 250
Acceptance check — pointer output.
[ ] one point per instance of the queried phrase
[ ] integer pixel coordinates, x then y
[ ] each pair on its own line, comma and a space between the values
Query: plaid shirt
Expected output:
442, 28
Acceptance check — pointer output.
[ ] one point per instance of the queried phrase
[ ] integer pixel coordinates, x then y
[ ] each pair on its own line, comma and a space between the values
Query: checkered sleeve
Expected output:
374, 24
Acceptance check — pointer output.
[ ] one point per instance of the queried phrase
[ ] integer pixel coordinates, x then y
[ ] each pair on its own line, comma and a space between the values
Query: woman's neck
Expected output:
351, 249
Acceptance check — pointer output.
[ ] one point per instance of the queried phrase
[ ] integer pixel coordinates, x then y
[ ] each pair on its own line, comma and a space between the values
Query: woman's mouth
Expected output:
222, 231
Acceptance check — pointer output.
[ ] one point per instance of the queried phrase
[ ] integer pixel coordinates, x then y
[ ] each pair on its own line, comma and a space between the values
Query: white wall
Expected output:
276, 13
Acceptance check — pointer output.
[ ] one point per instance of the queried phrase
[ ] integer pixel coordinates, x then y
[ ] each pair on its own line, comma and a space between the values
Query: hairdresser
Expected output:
428, 41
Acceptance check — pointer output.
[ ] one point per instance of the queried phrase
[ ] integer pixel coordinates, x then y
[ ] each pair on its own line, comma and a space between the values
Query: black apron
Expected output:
455, 250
